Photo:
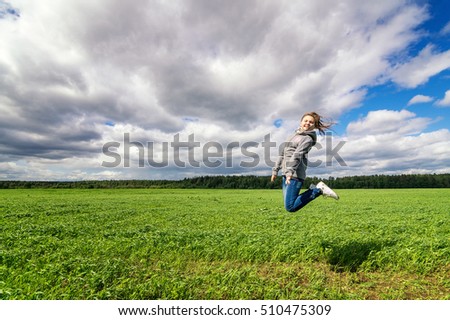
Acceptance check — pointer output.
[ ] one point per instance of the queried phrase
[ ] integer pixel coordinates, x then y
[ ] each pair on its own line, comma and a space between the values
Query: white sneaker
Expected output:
327, 191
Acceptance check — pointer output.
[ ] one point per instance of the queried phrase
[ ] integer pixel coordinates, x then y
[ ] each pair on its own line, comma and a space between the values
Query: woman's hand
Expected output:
288, 180
273, 178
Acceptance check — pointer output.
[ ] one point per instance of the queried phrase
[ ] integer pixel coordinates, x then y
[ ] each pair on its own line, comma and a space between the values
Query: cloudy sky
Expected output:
113, 89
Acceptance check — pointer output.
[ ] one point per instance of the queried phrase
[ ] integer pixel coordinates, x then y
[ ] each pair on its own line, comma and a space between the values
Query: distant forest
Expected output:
246, 182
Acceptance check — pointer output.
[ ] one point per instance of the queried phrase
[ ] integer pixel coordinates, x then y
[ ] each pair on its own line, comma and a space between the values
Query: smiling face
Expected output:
307, 123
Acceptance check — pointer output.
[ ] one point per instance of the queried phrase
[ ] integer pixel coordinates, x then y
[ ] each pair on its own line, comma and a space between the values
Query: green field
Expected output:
223, 244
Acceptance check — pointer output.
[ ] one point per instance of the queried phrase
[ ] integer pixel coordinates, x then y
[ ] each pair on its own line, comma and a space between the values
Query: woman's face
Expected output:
307, 123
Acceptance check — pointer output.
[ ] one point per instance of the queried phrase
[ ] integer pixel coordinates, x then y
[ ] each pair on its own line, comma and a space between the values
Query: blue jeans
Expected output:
293, 200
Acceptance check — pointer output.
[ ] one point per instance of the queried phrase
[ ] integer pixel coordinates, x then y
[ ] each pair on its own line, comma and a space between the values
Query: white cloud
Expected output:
420, 99
419, 69
393, 142
446, 29
7, 11
386, 122
122, 62
445, 102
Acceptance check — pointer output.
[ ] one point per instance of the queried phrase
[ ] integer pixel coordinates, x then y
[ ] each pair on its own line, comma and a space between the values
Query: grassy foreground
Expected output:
223, 244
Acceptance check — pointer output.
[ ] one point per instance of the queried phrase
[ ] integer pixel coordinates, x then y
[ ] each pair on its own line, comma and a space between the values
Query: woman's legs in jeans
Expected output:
293, 201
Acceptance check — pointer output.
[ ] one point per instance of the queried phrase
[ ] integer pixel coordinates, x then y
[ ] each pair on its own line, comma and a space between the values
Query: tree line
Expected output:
246, 182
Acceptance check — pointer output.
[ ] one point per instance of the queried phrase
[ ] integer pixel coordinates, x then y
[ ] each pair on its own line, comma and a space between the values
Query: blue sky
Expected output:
392, 96
79, 76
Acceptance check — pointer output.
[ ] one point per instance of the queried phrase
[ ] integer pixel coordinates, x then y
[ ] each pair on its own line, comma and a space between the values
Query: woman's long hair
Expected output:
318, 123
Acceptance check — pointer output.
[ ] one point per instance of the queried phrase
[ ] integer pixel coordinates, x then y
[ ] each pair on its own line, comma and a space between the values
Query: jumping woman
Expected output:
293, 160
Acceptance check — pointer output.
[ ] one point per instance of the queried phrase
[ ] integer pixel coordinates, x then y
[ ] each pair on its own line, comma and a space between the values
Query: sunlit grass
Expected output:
223, 244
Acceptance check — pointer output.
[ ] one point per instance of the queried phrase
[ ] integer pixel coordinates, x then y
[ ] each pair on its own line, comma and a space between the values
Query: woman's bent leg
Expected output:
293, 201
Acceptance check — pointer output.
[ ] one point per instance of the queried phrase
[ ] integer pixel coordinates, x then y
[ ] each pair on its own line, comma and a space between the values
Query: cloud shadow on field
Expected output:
349, 256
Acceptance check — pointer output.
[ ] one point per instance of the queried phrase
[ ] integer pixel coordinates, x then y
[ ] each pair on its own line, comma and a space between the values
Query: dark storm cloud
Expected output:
51, 143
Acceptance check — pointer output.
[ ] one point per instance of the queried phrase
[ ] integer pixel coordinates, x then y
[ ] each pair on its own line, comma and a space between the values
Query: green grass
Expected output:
223, 244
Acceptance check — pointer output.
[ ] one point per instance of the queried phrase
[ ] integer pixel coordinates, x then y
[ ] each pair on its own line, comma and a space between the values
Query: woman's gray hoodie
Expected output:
293, 159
